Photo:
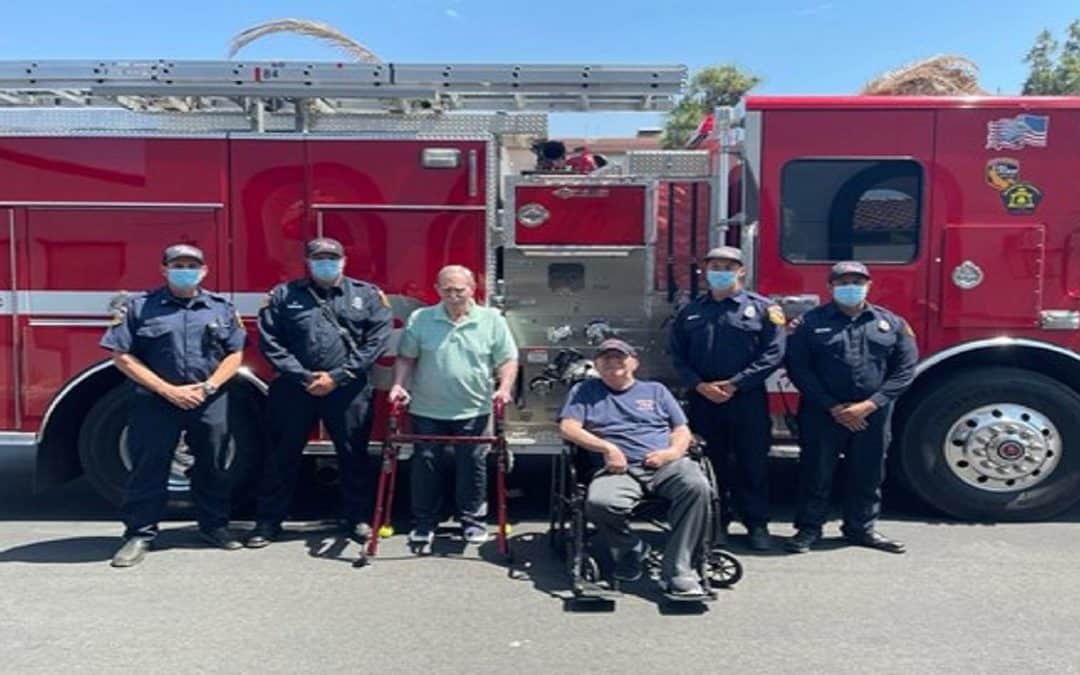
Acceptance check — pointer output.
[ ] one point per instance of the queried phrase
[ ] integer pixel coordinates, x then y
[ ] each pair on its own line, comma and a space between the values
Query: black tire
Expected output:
924, 464
104, 463
725, 570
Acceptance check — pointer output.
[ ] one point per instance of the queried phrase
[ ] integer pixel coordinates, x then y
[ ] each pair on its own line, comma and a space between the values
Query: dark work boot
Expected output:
802, 541
262, 534
759, 538
875, 540
221, 537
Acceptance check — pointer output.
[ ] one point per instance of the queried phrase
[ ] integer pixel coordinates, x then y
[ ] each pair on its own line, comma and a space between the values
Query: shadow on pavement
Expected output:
70, 550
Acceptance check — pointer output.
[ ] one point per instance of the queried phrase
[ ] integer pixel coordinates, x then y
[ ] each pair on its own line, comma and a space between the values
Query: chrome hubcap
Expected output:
1002, 447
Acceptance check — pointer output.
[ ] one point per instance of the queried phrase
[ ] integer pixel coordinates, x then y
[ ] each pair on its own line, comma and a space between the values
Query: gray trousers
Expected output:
612, 496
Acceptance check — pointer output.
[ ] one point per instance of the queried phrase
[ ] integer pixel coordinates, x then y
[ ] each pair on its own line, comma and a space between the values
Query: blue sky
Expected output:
797, 46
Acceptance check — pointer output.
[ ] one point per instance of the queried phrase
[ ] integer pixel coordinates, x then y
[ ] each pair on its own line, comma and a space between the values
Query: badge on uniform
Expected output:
776, 315
357, 302
883, 326
750, 312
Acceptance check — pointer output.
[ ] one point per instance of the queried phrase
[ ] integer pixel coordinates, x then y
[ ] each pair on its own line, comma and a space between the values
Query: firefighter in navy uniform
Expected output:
179, 344
850, 360
322, 334
724, 345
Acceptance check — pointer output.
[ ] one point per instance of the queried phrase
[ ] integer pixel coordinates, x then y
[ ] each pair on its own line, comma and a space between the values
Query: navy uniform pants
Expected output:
154, 429
822, 441
292, 412
737, 436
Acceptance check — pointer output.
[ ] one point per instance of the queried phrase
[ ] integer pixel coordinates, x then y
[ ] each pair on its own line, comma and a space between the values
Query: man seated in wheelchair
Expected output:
641, 434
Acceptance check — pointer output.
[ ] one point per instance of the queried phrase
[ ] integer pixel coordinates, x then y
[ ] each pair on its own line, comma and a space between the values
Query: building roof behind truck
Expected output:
909, 102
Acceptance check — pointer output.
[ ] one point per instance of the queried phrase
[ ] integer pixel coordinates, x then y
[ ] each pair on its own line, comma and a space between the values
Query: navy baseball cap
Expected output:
725, 253
848, 267
615, 345
177, 251
324, 245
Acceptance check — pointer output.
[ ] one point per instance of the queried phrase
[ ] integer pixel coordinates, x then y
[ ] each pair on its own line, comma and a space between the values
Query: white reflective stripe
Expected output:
65, 303
72, 323
91, 303
96, 303
248, 304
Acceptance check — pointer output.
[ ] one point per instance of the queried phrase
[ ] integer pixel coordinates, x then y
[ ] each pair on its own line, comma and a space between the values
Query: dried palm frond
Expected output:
313, 29
942, 75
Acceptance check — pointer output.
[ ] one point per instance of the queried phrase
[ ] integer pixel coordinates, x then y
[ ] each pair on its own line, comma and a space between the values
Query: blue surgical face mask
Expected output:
326, 270
184, 279
721, 280
850, 295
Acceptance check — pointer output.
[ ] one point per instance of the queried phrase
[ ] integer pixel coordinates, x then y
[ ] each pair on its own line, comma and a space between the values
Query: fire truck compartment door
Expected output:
580, 214
992, 276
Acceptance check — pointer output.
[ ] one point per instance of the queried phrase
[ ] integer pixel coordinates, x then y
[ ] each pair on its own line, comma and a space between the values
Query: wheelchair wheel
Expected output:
725, 570
590, 570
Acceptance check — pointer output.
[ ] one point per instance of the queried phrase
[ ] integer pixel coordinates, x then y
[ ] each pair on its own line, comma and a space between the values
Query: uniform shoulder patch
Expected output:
118, 308
776, 315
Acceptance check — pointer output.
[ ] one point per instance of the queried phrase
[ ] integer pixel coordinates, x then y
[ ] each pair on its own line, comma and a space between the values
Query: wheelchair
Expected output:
570, 533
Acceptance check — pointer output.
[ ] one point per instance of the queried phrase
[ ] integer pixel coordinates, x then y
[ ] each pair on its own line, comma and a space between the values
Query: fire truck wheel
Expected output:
995, 444
107, 463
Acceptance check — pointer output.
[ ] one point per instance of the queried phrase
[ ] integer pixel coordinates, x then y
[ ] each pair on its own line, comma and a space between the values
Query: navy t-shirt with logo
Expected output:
637, 420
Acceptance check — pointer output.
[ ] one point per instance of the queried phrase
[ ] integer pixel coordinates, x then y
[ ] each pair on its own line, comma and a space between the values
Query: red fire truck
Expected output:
961, 206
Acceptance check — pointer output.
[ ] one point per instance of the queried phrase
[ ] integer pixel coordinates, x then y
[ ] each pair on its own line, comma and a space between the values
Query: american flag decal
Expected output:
1014, 133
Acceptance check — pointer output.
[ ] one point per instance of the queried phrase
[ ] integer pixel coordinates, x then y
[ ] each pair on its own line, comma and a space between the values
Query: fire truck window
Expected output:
867, 210
566, 277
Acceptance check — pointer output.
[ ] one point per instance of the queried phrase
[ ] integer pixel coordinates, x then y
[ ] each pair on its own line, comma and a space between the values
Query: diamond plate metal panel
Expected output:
668, 163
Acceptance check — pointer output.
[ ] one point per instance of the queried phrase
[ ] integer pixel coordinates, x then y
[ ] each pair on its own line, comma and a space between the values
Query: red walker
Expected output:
391, 448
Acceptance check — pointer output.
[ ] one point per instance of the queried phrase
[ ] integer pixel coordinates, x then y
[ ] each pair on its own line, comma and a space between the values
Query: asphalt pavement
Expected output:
966, 598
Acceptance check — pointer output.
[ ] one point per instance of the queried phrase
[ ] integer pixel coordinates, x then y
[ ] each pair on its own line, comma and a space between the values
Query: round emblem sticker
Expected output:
532, 215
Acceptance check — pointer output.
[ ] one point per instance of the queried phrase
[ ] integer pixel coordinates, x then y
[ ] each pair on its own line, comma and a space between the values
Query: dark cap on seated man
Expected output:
615, 345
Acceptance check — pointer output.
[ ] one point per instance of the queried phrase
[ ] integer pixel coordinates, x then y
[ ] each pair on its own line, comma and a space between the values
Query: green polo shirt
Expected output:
455, 362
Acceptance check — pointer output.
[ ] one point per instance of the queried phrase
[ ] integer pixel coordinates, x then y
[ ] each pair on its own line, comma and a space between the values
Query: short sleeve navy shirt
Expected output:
637, 420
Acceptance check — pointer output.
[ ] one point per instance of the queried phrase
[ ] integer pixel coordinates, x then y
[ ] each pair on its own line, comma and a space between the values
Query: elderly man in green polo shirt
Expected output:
443, 371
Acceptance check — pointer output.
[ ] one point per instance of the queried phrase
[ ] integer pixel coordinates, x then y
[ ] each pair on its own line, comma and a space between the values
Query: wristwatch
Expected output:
209, 388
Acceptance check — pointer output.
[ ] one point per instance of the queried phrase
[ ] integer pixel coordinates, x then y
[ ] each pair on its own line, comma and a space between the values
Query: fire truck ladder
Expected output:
178, 86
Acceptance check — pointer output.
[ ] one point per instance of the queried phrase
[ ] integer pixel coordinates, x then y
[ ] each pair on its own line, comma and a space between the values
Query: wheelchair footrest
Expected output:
587, 590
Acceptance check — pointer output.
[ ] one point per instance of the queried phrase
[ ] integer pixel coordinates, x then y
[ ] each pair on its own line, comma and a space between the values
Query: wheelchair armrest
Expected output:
697, 447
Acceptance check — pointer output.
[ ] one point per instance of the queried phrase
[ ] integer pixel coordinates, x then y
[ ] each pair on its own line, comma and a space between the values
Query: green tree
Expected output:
1054, 71
710, 87
1067, 72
